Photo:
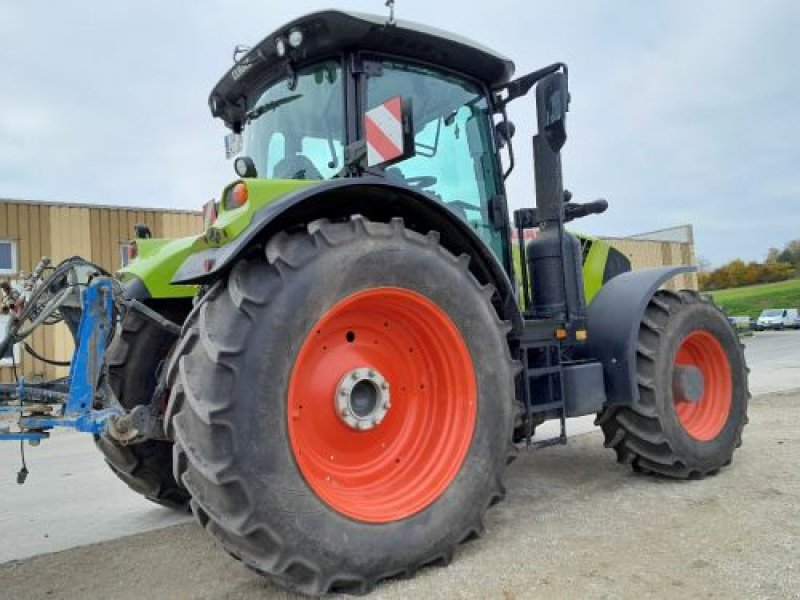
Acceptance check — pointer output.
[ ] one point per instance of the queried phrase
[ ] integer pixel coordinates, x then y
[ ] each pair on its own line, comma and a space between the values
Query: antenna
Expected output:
391, 20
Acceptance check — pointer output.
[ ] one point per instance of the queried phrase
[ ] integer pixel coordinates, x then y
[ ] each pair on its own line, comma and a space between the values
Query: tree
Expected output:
772, 255
736, 274
780, 264
790, 254
794, 253
753, 273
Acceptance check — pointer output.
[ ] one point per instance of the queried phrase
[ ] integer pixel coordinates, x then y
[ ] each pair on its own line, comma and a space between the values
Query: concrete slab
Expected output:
774, 361
575, 524
71, 498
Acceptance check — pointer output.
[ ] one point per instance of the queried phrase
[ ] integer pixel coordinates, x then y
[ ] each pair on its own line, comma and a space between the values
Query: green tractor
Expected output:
344, 362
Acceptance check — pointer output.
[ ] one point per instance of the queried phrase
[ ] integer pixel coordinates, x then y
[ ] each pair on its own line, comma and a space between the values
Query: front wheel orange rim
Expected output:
705, 418
406, 357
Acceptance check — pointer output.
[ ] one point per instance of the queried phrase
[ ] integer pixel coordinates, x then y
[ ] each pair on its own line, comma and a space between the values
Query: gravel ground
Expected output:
574, 525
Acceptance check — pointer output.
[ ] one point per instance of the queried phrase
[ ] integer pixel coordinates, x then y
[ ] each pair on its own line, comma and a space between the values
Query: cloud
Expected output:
689, 121
682, 111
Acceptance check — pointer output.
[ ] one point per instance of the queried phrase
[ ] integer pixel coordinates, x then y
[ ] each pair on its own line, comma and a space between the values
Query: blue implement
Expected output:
76, 411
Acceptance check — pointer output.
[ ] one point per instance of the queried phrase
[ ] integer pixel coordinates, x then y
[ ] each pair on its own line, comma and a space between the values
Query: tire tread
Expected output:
636, 432
202, 435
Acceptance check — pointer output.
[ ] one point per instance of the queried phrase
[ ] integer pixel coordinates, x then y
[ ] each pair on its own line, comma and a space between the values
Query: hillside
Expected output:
751, 300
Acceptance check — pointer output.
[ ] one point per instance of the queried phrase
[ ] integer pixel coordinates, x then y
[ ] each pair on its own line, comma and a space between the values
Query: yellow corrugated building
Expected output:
30, 230
673, 246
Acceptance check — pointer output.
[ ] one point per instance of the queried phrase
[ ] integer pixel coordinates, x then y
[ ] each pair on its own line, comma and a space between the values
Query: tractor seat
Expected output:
297, 166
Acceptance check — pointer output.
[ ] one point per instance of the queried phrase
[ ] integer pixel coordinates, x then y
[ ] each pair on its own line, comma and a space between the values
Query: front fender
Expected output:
376, 199
613, 320
149, 275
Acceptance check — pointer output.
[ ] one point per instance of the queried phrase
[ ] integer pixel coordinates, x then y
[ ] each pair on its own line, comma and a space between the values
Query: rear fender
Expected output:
613, 320
374, 198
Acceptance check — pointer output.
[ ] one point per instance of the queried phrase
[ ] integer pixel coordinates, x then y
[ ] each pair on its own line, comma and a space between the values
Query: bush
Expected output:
737, 273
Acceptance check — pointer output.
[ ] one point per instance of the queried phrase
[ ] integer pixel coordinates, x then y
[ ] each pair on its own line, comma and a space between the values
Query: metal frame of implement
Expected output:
42, 407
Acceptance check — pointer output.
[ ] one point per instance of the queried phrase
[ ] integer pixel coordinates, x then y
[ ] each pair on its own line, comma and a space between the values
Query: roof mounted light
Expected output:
245, 167
216, 105
280, 47
295, 38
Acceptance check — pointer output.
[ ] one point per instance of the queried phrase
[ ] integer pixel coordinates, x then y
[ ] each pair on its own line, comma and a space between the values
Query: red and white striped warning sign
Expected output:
384, 131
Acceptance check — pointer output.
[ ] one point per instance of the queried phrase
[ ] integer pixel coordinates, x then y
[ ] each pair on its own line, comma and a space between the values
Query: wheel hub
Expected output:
362, 398
687, 383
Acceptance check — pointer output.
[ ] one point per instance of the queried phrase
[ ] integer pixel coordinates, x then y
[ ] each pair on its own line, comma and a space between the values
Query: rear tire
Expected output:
134, 358
665, 436
242, 395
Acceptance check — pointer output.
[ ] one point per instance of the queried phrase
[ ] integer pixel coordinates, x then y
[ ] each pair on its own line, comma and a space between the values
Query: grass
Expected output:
751, 300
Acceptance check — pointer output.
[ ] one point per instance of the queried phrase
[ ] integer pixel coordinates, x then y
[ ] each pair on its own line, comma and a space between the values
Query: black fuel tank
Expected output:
557, 292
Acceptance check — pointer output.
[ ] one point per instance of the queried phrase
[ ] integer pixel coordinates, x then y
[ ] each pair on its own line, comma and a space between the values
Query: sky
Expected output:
683, 111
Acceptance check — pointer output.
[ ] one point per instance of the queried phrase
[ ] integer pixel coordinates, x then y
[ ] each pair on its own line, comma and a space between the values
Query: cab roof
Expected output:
331, 31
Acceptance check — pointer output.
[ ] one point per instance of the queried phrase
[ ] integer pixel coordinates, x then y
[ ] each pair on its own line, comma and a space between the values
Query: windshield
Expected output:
772, 312
455, 158
297, 132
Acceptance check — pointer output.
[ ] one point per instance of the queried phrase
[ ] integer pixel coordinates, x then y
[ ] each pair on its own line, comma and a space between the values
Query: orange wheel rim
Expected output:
705, 418
411, 451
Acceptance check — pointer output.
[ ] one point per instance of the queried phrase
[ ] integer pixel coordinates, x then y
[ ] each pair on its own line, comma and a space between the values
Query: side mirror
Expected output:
552, 104
389, 132
505, 131
245, 167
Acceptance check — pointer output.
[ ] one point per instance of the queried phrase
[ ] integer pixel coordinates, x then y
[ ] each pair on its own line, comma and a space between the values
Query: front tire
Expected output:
276, 474
134, 358
664, 433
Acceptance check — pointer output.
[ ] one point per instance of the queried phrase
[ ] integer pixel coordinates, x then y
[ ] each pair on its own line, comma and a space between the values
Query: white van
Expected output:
778, 318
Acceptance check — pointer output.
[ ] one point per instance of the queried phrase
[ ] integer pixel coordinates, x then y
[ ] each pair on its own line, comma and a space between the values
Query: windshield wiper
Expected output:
251, 115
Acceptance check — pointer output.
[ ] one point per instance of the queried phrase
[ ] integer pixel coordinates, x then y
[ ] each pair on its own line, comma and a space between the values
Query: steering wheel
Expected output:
421, 181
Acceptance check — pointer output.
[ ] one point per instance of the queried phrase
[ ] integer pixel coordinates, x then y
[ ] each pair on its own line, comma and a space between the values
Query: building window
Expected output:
8, 257
12, 356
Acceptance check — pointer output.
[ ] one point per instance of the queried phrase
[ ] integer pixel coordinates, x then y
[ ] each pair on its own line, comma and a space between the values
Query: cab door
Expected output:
455, 157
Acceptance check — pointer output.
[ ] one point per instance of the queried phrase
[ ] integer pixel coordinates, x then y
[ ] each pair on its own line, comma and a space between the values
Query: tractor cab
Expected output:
308, 103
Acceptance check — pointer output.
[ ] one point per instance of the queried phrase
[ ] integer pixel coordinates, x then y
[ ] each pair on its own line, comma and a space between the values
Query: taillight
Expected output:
133, 250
